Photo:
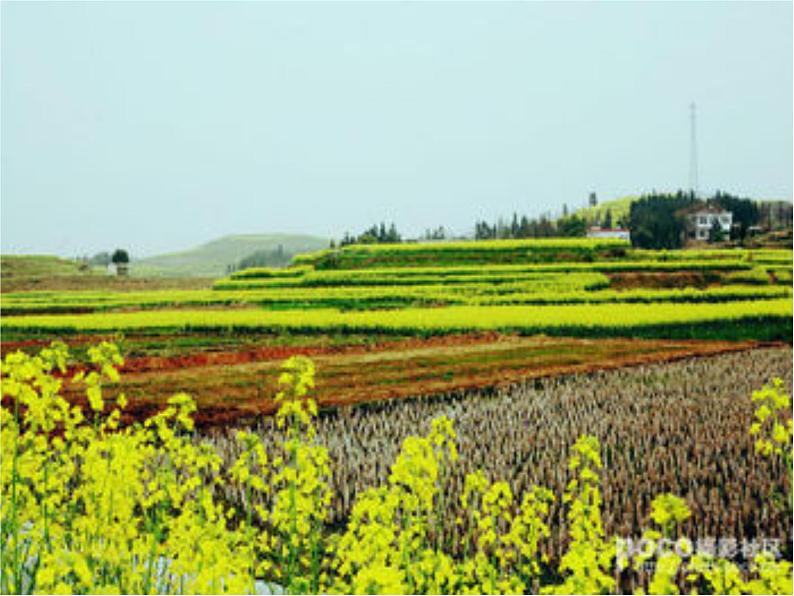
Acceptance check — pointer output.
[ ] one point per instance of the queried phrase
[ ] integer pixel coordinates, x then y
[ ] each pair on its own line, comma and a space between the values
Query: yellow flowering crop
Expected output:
90, 507
772, 426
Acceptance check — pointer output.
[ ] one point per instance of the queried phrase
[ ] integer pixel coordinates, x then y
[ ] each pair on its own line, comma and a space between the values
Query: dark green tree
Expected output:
572, 226
523, 227
546, 228
392, 235
120, 257
657, 220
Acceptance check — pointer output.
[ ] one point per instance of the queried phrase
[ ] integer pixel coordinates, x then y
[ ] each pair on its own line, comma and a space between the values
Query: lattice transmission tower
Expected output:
693, 150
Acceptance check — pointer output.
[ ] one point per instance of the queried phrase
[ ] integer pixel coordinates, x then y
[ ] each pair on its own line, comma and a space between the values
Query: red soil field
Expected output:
236, 386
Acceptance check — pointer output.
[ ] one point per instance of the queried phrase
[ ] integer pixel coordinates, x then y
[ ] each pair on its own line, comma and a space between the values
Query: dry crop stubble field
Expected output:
678, 427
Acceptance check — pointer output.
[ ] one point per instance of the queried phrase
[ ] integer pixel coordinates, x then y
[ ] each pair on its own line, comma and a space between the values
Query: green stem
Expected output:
152, 526
315, 585
439, 512
292, 501
14, 514
248, 506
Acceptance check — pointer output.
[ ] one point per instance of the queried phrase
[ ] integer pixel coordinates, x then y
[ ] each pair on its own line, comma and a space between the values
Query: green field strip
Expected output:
656, 319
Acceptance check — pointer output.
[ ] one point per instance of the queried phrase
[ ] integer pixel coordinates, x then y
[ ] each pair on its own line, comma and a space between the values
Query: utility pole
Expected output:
693, 150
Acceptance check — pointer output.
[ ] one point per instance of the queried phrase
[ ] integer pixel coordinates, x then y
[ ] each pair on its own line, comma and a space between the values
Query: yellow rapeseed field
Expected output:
89, 507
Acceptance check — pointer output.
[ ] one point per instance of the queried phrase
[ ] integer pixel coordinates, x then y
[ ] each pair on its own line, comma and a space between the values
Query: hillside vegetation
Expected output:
14, 267
213, 258
619, 208
33, 272
45, 275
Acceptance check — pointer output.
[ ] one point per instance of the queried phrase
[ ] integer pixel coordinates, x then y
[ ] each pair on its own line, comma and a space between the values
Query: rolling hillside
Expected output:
49, 273
15, 267
212, 259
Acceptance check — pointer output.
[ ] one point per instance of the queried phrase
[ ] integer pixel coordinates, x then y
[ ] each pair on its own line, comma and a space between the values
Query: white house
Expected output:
120, 269
701, 221
597, 232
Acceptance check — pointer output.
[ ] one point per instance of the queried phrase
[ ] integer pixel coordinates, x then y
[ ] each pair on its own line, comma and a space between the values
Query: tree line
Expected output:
518, 227
377, 234
659, 220
656, 220
525, 227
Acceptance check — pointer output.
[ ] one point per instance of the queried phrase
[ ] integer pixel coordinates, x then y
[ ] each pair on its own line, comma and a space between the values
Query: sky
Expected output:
161, 126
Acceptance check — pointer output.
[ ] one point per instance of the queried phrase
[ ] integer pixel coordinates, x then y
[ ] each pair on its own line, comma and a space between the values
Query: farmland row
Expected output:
300, 295
776, 259
448, 253
515, 251
759, 319
370, 297
234, 384
457, 274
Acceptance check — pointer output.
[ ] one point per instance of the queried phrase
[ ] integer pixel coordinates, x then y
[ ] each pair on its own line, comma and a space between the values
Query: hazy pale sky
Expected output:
159, 126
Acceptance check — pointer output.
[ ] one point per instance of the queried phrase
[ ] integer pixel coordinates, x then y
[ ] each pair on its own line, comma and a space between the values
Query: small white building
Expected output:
597, 232
701, 221
119, 269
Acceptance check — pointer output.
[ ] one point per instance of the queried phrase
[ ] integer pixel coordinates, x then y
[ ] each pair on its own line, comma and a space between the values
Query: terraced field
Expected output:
537, 353
387, 321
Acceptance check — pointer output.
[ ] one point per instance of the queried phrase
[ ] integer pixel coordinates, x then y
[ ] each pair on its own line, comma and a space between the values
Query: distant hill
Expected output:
212, 259
15, 267
618, 207
21, 273
26, 273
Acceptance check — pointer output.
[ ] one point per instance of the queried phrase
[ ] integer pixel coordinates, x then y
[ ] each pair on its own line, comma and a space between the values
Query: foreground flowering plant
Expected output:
91, 507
